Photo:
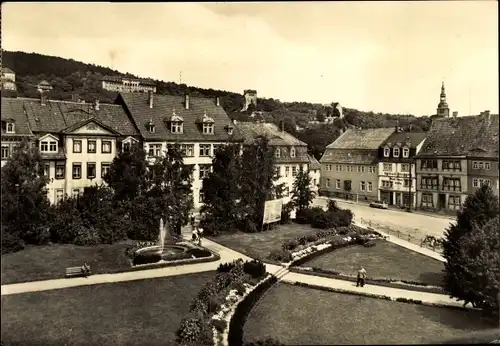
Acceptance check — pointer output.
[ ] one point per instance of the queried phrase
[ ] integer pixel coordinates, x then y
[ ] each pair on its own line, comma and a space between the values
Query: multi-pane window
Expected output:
208, 129
126, 147
479, 182
481, 165
75, 193
91, 170
328, 167
294, 171
106, 147
406, 183
277, 153
60, 168
396, 152
406, 152
371, 169
327, 182
10, 128
405, 167
387, 167
337, 184
369, 186
452, 184
5, 152
362, 186
277, 170
77, 146
429, 183
429, 164
176, 127
205, 171
48, 146
154, 150
338, 168
454, 202
91, 146
427, 200
77, 170
205, 149
387, 184
292, 152
387, 152
46, 170
104, 169
451, 165
187, 150
287, 171
52, 146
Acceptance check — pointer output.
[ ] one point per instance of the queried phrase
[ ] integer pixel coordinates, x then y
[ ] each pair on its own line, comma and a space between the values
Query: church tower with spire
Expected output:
443, 110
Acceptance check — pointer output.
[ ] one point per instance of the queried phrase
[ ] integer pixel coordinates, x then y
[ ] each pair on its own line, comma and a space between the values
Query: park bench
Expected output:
77, 271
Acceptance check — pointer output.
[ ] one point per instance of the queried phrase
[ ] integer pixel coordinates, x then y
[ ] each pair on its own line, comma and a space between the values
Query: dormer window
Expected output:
11, 128
150, 126
277, 153
396, 152
229, 129
48, 146
406, 152
176, 123
387, 152
292, 152
207, 124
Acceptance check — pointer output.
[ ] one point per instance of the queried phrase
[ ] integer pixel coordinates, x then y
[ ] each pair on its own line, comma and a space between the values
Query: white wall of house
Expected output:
399, 175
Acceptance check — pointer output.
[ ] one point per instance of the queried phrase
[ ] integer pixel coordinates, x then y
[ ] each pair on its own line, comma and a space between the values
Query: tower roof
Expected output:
442, 99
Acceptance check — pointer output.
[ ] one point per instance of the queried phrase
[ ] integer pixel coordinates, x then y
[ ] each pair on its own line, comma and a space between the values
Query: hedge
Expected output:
235, 335
331, 248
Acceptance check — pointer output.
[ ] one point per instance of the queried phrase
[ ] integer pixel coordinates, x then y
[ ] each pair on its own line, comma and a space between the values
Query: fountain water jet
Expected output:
162, 236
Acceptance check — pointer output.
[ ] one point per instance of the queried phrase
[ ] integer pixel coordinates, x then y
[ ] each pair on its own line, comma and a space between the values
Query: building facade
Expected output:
199, 125
250, 98
8, 79
396, 168
123, 84
77, 142
459, 155
289, 152
349, 166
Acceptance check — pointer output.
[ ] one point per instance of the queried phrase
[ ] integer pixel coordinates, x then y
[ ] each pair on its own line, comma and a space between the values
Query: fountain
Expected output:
164, 253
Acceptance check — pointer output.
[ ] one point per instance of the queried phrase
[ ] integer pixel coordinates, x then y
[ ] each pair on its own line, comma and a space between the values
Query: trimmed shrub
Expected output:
86, 236
302, 216
10, 242
198, 253
290, 244
312, 237
280, 256
411, 301
254, 268
344, 217
220, 325
239, 287
332, 205
190, 329
225, 267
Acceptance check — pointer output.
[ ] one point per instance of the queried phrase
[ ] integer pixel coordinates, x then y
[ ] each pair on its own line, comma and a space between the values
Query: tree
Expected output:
24, 192
477, 211
220, 191
479, 257
257, 178
127, 175
302, 196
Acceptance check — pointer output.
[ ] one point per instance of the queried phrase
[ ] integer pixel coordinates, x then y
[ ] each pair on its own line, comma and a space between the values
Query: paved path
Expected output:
417, 225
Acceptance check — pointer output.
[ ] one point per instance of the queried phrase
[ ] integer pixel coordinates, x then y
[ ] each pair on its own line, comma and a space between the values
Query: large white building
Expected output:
396, 168
124, 84
8, 79
290, 154
77, 141
199, 125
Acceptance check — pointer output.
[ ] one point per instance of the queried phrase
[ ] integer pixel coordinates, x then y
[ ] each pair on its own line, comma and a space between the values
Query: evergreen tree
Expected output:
479, 257
477, 210
24, 193
220, 191
257, 177
302, 195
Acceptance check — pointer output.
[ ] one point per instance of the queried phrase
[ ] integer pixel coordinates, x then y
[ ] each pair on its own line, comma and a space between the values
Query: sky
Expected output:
388, 57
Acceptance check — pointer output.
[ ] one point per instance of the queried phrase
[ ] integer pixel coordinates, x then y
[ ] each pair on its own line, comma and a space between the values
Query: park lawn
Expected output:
383, 261
141, 312
303, 316
260, 245
50, 261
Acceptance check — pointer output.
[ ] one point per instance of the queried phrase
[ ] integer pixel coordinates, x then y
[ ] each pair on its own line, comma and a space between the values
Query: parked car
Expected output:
379, 205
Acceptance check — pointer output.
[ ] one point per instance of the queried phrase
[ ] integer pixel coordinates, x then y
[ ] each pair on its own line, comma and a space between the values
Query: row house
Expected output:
290, 153
77, 142
15, 127
349, 165
199, 125
125, 84
396, 167
459, 155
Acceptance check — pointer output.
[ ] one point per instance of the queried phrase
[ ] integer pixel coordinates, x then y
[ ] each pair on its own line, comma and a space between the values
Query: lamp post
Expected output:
17, 206
408, 209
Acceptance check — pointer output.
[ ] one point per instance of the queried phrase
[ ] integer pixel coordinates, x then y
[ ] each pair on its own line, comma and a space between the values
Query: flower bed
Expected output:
403, 284
207, 322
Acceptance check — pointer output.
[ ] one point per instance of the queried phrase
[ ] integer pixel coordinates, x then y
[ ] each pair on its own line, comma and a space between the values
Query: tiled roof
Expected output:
362, 138
7, 70
163, 108
55, 116
415, 138
77, 125
345, 156
475, 136
251, 130
313, 163
12, 109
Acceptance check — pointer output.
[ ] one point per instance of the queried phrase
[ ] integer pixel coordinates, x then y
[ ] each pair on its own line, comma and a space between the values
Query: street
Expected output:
417, 225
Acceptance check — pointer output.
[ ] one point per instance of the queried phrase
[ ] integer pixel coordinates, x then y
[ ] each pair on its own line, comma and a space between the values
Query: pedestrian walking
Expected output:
200, 234
361, 277
192, 220
194, 236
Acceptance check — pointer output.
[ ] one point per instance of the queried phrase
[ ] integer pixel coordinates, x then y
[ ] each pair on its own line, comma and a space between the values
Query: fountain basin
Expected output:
154, 254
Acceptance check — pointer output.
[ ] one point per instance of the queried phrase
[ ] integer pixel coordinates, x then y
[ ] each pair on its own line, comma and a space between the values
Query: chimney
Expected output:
186, 101
487, 113
150, 98
217, 101
43, 99
96, 104
455, 114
